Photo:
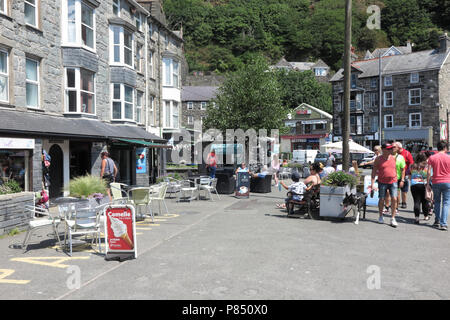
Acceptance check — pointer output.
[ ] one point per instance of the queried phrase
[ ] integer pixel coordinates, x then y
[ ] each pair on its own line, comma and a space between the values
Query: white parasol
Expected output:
353, 147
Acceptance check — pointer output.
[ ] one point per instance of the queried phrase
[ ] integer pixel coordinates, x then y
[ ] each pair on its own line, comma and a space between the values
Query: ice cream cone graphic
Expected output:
127, 240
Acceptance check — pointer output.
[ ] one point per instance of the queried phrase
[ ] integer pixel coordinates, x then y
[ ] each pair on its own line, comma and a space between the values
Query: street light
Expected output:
347, 76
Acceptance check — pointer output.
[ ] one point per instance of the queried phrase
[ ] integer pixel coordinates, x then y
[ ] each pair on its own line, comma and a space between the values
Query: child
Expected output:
297, 189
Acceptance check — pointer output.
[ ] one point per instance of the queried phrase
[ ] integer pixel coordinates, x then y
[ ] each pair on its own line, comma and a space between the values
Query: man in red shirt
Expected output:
384, 167
440, 162
211, 163
409, 161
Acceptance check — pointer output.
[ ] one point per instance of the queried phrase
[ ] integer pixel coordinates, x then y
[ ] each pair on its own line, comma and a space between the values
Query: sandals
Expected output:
281, 206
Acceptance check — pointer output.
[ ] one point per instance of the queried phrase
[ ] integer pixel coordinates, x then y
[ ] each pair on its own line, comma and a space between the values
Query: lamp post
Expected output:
347, 76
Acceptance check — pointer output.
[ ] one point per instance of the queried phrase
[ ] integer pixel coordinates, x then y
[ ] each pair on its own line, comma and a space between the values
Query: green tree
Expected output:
250, 98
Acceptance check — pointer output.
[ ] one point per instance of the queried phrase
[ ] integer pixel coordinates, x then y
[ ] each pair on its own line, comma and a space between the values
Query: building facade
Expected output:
414, 96
309, 129
195, 101
78, 77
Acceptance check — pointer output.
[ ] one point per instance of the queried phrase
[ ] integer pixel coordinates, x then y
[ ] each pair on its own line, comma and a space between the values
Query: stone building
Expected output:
320, 69
195, 101
78, 77
414, 95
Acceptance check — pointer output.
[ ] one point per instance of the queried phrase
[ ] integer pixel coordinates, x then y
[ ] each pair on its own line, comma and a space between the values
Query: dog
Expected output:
356, 202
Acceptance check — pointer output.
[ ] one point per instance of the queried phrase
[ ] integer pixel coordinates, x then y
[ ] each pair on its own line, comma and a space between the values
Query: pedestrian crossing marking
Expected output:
4, 273
57, 262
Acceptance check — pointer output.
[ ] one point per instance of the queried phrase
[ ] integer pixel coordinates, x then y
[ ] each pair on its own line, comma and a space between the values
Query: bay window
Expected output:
4, 76
139, 63
78, 24
121, 48
116, 7
80, 92
171, 114
32, 83
122, 102
3, 7
171, 72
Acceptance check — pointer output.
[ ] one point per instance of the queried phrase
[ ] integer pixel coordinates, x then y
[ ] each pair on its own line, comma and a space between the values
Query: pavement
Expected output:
233, 249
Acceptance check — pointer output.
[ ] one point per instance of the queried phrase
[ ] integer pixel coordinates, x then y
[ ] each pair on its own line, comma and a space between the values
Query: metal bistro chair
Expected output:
158, 193
141, 197
39, 222
82, 221
117, 190
186, 187
210, 186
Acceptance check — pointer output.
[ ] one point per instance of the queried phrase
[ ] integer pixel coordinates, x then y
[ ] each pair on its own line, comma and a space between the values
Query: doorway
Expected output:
56, 171
80, 158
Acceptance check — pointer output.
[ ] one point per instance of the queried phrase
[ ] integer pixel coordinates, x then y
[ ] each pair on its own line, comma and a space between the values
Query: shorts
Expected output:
405, 185
383, 187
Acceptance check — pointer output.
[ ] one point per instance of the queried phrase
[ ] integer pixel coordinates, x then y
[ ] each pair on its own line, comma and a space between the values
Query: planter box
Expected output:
331, 200
12, 213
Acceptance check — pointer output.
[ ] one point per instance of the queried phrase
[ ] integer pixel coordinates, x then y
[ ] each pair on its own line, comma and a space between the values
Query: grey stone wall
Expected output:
195, 112
12, 214
37, 165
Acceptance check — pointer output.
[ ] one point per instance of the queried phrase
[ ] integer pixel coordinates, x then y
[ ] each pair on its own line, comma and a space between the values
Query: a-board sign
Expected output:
243, 185
120, 229
371, 201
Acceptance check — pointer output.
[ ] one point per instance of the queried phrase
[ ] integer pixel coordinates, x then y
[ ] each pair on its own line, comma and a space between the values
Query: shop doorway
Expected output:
56, 171
80, 158
125, 160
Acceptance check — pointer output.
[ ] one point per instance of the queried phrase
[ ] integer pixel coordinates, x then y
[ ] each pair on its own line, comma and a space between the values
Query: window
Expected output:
373, 99
388, 81
175, 121
121, 51
151, 68
414, 77
139, 96
356, 124
190, 120
171, 73
415, 120
337, 103
32, 83
150, 30
190, 105
80, 91
3, 6
171, 114
4, 76
167, 114
116, 7
388, 121
166, 40
319, 126
374, 124
31, 14
388, 98
320, 72
373, 82
203, 105
151, 115
78, 24
354, 77
138, 18
122, 102
139, 63
415, 97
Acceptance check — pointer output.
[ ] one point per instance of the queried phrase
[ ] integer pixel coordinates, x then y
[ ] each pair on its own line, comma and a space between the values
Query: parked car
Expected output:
321, 158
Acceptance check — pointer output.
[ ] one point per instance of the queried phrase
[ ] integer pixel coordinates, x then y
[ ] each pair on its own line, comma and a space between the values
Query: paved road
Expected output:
243, 249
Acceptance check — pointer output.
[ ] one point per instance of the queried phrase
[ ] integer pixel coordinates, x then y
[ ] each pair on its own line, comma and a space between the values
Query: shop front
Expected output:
412, 139
16, 161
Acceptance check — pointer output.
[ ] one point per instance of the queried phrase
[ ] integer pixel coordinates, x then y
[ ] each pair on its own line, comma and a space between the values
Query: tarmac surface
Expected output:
240, 249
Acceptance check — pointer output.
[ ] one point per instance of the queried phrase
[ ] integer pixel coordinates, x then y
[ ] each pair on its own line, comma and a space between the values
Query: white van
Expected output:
304, 156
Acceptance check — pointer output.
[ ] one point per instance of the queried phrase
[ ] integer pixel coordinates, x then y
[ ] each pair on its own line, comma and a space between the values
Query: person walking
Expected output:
276, 168
211, 162
418, 177
385, 168
440, 163
400, 164
108, 172
409, 162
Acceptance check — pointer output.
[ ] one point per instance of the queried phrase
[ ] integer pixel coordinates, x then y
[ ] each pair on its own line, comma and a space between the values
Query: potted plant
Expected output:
86, 187
333, 189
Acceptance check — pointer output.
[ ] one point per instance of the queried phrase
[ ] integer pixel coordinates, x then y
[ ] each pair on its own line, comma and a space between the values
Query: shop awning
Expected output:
145, 143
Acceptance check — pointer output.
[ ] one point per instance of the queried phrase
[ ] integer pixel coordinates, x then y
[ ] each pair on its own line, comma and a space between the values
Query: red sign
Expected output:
306, 111
120, 229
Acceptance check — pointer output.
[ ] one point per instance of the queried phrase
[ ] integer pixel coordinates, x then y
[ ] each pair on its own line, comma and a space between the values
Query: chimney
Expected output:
444, 43
408, 46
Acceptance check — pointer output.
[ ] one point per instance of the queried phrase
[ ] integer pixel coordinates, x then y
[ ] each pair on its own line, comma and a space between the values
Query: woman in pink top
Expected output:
440, 162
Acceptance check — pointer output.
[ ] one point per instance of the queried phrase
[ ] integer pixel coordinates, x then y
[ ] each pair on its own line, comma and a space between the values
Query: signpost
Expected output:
120, 232
243, 185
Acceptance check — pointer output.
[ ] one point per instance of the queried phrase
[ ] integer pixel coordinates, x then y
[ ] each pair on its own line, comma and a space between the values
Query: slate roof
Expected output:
405, 63
18, 122
198, 93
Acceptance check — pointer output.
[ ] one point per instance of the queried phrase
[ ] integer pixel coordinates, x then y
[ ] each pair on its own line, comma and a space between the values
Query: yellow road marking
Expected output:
4, 273
42, 261
143, 228
147, 224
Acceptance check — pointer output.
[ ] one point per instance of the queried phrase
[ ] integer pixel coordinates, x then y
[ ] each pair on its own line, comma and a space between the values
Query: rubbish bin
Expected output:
226, 182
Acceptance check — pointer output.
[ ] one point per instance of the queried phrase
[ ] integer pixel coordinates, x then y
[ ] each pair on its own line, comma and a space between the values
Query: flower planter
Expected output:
12, 213
331, 200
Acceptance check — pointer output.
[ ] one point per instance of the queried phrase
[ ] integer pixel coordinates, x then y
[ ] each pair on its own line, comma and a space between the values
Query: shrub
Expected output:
10, 186
175, 176
339, 179
86, 186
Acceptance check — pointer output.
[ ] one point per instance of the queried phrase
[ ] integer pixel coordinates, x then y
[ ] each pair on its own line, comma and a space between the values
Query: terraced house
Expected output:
415, 98
78, 77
